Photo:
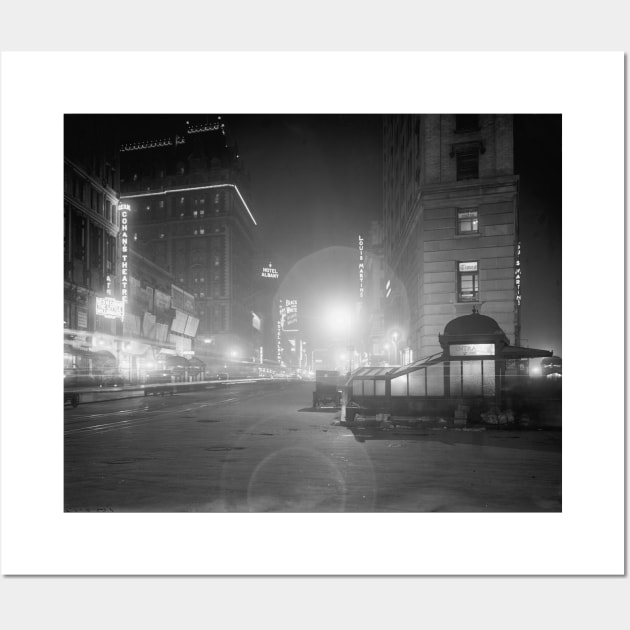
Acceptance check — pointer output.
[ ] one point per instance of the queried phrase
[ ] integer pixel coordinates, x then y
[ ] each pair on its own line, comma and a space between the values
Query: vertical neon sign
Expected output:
124, 270
517, 274
361, 267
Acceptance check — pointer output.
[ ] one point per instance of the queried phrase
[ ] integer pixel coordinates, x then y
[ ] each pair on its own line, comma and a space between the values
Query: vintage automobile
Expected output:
328, 389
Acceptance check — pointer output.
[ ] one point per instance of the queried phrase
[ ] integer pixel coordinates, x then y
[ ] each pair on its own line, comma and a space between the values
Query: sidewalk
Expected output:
99, 394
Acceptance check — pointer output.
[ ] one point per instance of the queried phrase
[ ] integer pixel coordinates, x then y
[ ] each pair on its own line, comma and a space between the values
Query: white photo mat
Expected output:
587, 538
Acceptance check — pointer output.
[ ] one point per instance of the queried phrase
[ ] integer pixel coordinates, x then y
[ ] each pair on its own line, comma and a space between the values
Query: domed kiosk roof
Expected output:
472, 325
473, 328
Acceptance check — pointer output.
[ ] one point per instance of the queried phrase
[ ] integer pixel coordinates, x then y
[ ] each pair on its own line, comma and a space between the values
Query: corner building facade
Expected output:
92, 226
450, 201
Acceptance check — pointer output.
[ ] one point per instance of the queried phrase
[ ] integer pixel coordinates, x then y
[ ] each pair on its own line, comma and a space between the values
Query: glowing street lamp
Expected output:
395, 342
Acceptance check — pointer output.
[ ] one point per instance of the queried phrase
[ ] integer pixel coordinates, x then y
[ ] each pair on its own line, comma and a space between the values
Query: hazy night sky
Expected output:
316, 184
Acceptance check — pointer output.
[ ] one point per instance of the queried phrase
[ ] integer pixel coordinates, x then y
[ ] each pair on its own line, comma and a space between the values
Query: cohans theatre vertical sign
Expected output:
124, 209
108, 306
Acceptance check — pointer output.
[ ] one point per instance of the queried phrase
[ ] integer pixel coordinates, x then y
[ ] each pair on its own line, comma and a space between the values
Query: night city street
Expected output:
263, 448
340, 313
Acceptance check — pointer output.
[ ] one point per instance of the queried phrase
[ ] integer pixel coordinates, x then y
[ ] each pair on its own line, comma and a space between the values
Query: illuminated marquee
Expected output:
124, 270
289, 315
109, 307
471, 349
270, 272
517, 274
361, 267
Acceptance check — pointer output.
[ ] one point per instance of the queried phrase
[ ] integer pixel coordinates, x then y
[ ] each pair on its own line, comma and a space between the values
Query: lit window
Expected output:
468, 221
202, 230
468, 281
195, 213
201, 212
148, 206
196, 232
161, 235
181, 201
161, 204
135, 236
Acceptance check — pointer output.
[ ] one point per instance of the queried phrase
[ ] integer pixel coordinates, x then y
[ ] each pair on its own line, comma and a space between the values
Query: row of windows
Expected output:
195, 202
198, 231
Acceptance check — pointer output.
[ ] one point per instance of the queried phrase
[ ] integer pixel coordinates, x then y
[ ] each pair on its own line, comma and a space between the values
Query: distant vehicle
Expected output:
551, 367
223, 376
158, 376
328, 390
113, 380
79, 380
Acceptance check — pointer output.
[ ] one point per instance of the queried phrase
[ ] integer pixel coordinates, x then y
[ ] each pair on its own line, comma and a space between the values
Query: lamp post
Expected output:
395, 342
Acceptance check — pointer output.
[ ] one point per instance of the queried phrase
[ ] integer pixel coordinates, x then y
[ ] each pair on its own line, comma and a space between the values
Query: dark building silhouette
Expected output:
92, 226
186, 188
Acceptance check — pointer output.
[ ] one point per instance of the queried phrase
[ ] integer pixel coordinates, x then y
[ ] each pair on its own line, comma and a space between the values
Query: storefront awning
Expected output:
174, 362
518, 352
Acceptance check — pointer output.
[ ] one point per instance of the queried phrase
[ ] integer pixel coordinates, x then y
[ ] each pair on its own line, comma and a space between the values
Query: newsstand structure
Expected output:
477, 369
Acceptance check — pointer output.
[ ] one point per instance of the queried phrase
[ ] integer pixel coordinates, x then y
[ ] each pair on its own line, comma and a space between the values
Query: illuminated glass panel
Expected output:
357, 388
489, 382
379, 388
368, 387
471, 377
417, 383
399, 385
435, 380
456, 378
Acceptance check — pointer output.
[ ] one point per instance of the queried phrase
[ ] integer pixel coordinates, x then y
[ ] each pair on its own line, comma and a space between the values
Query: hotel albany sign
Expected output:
270, 272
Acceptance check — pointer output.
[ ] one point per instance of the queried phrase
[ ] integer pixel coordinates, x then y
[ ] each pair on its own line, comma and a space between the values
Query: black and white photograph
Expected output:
312, 312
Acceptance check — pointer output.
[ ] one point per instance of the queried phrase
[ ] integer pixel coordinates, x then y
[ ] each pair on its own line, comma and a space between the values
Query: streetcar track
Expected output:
132, 422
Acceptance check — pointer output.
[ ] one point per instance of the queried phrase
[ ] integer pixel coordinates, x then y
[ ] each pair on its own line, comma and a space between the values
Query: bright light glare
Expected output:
338, 318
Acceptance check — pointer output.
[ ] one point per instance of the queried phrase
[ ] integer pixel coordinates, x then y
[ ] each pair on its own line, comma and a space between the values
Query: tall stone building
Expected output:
92, 225
189, 215
450, 224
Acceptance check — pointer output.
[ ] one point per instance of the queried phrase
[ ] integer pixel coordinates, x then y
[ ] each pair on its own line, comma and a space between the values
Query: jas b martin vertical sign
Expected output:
361, 267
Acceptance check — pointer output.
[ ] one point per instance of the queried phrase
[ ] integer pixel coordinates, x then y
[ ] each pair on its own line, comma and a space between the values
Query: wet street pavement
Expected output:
262, 448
